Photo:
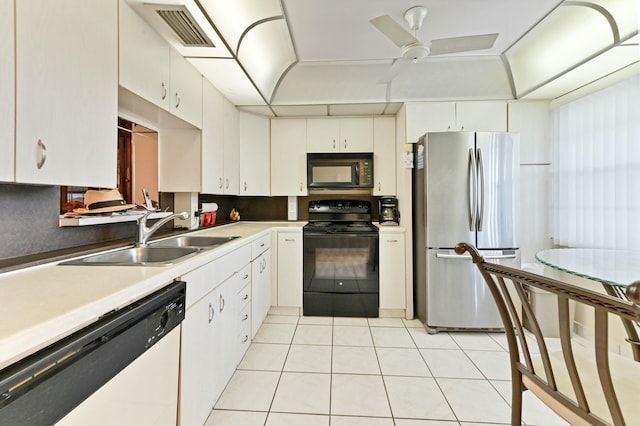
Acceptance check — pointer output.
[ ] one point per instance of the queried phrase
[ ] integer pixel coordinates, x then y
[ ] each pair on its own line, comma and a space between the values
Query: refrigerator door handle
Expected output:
472, 189
467, 257
481, 186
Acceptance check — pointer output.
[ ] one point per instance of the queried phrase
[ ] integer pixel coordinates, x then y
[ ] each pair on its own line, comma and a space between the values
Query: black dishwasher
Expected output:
43, 387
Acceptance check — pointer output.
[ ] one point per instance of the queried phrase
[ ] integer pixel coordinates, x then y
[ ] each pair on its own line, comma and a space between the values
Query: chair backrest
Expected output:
580, 380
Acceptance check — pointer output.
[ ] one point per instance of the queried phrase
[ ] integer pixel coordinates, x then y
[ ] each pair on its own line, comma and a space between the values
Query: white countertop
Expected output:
612, 267
44, 303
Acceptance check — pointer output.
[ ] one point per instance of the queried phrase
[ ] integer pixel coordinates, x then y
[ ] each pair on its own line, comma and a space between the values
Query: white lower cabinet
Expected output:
392, 269
213, 343
290, 268
260, 281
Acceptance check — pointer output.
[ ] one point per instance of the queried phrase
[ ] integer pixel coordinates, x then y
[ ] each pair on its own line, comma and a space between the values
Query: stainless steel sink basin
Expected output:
137, 256
192, 241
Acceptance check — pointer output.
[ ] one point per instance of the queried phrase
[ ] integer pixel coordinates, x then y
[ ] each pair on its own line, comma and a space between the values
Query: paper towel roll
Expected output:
209, 207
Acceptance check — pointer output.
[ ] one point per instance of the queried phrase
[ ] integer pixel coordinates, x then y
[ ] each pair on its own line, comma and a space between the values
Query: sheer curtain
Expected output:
595, 173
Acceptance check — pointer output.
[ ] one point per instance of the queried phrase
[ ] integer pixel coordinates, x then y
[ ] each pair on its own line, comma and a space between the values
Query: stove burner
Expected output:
358, 224
321, 224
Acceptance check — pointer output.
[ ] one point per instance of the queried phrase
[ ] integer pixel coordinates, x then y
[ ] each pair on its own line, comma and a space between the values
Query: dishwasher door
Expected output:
126, 350
144, 393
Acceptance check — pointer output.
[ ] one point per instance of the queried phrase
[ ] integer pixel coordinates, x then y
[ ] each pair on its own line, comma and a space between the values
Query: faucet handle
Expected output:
144, 217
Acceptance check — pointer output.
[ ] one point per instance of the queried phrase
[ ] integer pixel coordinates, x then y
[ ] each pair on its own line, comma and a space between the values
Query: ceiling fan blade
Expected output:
462, 44
394, 70
396, 32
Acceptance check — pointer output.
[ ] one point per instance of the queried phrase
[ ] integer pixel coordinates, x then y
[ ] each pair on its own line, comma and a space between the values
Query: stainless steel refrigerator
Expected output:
465, 188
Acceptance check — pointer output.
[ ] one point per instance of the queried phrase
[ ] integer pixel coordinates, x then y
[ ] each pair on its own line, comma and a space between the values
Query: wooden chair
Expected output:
585, 385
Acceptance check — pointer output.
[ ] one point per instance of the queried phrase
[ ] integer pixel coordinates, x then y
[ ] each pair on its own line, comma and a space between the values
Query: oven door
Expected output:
340, 274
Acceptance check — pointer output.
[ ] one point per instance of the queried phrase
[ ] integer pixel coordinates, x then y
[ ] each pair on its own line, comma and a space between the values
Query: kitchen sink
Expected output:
137, 256
192, 241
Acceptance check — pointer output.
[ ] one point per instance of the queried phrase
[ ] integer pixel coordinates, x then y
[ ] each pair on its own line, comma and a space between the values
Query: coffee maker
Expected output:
389, 214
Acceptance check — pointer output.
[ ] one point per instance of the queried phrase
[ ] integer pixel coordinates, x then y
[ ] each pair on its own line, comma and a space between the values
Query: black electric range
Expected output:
340, 260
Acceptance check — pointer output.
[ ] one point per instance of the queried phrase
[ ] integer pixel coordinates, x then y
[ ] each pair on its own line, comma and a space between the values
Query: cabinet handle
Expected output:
211, 313
164, 91
245, 339
246, 317
448, 128
220, 182
43, 154
245, 186
334, 144
262, 245
221, 303
227, 183
246, 296
392, 241
300, 186
379, 186
461, 127
345, 144
245, 277
289, 240
177, 99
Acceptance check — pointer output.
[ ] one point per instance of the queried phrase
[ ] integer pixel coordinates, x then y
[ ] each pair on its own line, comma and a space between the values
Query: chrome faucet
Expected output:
144, 232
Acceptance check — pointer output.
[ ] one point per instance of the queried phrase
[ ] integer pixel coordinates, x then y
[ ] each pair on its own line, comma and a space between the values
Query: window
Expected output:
595, 181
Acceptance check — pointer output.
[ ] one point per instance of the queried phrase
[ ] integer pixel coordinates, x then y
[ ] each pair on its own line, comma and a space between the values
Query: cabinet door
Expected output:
481, 116
423, 117
66, 96
144, 58
7, 88
288, 156
199, 388
212, 157
356, 135
531, 120
255, 178
260, 290
323, 135
231, 130
392, 272
384, 156
186, 90
290, 268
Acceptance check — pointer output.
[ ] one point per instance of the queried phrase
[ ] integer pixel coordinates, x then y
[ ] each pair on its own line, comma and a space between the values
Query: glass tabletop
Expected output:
613, 267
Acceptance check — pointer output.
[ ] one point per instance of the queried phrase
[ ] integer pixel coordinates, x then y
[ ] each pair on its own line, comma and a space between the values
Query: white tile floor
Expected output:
379, 372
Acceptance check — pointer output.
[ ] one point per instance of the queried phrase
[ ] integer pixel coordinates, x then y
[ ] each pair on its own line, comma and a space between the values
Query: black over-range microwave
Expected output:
340, 170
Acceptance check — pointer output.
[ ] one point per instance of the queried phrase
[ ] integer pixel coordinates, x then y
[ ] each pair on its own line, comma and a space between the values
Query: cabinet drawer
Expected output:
260, 245
244, 296
244, 328
231, 263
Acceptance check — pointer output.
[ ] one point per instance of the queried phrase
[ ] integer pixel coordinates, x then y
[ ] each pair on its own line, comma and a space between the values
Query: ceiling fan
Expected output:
414, 50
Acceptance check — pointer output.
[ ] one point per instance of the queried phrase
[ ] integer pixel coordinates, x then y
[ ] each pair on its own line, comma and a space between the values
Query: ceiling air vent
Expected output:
186, 28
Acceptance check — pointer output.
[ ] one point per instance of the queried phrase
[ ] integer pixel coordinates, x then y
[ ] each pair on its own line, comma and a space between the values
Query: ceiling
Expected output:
324, 57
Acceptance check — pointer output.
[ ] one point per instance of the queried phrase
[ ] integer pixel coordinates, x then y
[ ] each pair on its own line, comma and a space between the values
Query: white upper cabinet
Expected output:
66, 96
340, 135
186, 90
212, 140
231, 151
288, 156
7, 82
423, 117
220, 151
384, 156
153, 70
490, 116
254, 155
145, 59
531, 120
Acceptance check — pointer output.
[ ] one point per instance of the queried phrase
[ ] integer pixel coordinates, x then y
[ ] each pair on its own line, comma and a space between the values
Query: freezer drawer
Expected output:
457, 296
